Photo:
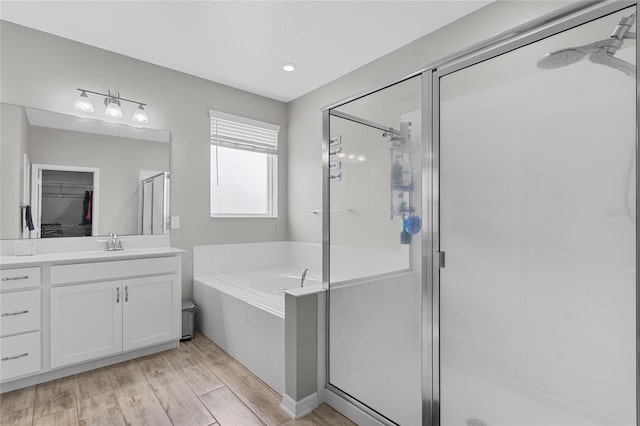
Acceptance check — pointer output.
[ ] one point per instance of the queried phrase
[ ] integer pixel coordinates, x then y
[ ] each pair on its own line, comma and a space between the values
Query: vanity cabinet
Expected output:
20, 322
94, 320
64, 313
146, 303
103, 318
86, 322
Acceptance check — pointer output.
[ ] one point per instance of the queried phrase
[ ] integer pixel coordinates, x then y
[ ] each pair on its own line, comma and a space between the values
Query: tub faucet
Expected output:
304, 275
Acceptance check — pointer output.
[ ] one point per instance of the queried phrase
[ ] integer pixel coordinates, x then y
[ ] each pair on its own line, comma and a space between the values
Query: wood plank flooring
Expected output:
197, 384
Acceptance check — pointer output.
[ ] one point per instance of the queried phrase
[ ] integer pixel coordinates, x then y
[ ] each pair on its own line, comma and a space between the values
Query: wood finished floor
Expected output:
197, 384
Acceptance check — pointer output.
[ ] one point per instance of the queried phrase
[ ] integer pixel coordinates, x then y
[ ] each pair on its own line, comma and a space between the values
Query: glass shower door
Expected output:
538, 222
375, 280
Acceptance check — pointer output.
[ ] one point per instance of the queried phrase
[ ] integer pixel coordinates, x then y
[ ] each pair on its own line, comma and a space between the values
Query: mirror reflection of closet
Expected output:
65, 202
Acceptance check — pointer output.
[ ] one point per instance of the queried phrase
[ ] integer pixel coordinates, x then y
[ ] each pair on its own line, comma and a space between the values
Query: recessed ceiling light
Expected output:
289, 67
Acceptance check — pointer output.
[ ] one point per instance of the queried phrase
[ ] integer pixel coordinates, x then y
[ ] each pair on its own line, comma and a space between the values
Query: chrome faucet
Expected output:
304, 275
113, 243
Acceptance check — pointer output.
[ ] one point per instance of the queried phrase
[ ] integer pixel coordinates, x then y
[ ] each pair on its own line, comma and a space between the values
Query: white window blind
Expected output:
242, 133
244, 167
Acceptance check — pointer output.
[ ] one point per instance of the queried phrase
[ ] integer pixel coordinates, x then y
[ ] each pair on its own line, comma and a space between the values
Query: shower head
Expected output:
600, 52
561, 58
564, 57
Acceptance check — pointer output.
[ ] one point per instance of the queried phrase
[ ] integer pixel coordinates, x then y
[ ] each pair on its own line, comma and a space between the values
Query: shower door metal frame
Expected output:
546, 26
549, 29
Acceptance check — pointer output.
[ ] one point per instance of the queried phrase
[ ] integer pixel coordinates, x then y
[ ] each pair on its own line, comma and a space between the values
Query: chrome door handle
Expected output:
9, 314
24, 277
9, 358
117, 294
126, 293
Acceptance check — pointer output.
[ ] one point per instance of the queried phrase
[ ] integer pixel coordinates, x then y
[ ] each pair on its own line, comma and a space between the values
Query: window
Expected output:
244, 167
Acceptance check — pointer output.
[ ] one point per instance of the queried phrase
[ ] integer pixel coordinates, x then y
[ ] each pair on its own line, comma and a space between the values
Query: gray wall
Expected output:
13, 140
43, 71
119, 160
305, 120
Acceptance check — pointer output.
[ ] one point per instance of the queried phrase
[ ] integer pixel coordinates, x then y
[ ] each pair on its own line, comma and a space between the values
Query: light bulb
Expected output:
140, 115
83, 103
341, 155
351, 156
362, 158
289, 67
113, 109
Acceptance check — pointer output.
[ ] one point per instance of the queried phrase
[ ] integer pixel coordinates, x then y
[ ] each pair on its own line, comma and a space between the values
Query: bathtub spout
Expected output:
304, 275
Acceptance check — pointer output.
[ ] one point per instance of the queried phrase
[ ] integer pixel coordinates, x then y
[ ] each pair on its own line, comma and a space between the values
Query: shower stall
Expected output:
492, 198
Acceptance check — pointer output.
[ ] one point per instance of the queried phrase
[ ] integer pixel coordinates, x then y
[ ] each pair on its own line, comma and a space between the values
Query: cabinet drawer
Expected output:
19, 278
20, 312
20, 355
115, 269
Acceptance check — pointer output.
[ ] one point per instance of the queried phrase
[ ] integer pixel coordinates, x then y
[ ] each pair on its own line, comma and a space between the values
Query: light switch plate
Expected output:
25, 248
175, 222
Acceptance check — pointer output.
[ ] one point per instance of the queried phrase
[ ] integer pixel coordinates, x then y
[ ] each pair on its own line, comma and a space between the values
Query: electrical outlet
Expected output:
175, 222
25, 248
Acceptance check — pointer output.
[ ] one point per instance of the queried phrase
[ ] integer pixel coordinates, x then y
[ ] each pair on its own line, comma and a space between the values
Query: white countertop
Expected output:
87, 256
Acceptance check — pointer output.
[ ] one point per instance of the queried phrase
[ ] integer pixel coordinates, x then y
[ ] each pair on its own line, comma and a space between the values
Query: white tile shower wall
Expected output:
539, 287
349, 263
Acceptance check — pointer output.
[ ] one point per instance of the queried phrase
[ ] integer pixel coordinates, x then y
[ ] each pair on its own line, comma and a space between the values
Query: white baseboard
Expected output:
297, 409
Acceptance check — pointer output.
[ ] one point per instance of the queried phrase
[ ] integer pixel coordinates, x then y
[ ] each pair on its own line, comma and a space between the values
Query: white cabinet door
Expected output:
152, 311
86, 322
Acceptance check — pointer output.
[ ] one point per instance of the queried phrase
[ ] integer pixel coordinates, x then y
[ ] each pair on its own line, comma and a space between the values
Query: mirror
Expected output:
68, 176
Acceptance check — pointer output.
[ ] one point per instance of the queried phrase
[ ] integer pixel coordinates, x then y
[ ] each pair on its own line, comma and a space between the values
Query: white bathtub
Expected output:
238, 291
269, 283
248, 325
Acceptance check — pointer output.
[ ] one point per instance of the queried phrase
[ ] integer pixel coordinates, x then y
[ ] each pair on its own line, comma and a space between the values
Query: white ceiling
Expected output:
245, 43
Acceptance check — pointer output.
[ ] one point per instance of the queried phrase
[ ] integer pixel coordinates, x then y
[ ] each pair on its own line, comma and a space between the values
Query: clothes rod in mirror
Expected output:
112, 105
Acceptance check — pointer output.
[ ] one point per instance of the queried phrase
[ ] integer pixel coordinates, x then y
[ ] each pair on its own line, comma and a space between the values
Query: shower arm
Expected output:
390, 130
622, 29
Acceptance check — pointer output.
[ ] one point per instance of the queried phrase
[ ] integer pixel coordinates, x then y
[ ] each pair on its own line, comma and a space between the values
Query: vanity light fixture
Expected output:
140, 115
83, 103
113, 109
112, 105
